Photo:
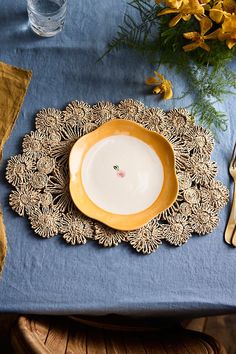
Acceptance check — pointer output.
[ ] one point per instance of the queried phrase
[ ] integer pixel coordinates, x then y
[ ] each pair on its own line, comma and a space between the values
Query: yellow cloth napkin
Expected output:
13, 87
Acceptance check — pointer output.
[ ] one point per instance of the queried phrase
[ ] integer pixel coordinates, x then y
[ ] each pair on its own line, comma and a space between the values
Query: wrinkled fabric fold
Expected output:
13, 87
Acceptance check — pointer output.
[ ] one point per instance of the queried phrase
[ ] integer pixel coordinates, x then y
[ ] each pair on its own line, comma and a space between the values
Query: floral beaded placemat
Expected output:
41, 180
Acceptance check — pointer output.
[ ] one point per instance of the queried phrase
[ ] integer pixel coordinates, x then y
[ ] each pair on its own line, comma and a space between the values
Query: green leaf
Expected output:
207, 74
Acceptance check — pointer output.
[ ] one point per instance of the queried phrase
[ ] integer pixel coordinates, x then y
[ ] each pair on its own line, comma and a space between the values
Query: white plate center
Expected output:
122, 174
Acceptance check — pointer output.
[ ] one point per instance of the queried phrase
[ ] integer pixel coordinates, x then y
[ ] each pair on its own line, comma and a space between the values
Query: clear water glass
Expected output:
46, 17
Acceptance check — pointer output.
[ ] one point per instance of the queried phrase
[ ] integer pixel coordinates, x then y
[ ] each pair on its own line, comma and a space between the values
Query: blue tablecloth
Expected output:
43, 276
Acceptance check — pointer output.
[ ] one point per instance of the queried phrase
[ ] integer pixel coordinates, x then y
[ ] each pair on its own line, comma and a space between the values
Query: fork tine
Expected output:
233, 157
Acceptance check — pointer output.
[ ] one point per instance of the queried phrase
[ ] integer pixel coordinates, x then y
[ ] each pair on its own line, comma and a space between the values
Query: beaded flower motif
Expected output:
76, 229
199, 140
192, 195
36, 144
130, 109
217, 194
185, 209
54, 137
178, 231
38, 180
103, 111
147, 239
202, 170
49, 120
24, 199
45, 164
77, 113
46, 222
180, 121
108, 237
41, 176
204, 219
19, 169
153, 119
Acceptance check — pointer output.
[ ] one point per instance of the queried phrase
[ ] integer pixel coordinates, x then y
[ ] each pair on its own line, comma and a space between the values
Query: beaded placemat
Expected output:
41, 180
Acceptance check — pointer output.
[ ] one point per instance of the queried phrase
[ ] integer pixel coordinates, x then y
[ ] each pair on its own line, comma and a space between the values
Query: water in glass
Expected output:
46, 17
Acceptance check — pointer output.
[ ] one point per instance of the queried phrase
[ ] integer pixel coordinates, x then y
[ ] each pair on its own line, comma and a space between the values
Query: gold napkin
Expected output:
13, 87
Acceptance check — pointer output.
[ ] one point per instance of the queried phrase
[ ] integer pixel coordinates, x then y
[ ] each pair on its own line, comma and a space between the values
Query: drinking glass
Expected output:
46, 17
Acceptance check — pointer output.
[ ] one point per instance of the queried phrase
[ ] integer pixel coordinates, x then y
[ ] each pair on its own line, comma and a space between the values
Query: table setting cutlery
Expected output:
230, 231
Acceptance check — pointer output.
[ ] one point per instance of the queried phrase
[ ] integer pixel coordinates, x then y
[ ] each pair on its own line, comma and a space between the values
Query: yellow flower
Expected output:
199, 38
222, 9
229, 6
228, 31
162, 85
186, 10
216, 12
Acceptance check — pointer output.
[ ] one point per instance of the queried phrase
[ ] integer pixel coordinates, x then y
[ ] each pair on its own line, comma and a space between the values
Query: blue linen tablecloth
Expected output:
43, 276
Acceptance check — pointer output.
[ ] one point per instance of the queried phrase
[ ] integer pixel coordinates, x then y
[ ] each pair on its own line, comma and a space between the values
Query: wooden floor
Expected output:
222, 328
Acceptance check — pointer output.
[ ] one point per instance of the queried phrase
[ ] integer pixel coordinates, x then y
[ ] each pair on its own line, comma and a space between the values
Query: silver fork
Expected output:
230, 231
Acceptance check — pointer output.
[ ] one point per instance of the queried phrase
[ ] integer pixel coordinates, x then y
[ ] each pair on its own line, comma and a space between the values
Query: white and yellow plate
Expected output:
122, 174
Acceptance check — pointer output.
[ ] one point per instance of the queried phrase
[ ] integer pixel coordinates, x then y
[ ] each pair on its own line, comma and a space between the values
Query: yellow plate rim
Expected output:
162, 148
